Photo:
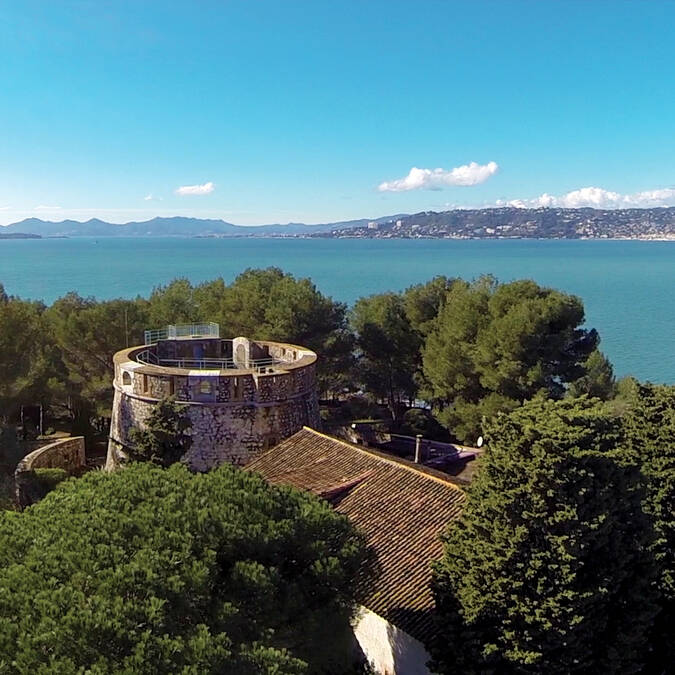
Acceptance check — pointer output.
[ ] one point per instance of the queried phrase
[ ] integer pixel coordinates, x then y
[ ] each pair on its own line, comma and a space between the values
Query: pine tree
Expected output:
598, 380
164, 440
649, 428
548, 570
494, 345
151, 570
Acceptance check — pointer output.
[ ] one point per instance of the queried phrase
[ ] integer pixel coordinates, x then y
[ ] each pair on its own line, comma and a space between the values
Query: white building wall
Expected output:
389, 650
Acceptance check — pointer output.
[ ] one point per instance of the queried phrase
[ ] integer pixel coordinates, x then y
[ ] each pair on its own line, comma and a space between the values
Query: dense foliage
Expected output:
550, 568
389, 348
152, 570
264, 305
24, 370
493, 346
649, 428
470, 350
61, 356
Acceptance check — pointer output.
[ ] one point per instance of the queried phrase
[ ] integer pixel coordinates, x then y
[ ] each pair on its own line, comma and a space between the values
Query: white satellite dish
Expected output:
479, 442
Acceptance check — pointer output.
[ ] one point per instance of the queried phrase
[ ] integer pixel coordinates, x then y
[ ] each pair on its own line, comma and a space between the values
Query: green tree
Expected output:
598, 380
88, 333
173, 304
447, 354
508, 342
423, 302
649, 428
208, 298
245, 302
337, 363
467, 419
150, 570
548, 570
388, 349
24, 354
269, 304
165, 438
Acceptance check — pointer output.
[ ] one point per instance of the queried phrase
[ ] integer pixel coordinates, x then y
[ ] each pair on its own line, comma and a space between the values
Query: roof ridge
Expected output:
389, 460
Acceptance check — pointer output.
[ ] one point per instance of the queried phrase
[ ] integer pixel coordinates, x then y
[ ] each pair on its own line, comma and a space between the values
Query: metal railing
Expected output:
147, 356
259, 365
181, 331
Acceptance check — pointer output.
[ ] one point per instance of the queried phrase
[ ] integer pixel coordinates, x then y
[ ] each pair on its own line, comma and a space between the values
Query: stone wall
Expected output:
67, 454
234, 413
220, 433
278, 385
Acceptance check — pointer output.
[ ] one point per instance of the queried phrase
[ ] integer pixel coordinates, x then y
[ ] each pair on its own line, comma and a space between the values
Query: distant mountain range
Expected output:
177, 226
491, 223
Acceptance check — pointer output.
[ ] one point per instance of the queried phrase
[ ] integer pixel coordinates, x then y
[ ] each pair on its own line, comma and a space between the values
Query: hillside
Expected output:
176, 226
492, 223
517, 223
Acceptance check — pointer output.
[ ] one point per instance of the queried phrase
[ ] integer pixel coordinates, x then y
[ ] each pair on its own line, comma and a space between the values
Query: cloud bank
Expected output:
437, 179
204, 189
597, 198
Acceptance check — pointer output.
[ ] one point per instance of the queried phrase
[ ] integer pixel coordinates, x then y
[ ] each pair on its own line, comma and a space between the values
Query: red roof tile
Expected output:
401, 508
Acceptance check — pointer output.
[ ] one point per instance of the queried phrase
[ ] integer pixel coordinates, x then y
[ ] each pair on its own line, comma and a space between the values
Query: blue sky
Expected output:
317, 111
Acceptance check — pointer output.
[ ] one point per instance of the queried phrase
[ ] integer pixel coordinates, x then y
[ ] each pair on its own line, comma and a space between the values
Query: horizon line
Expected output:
332, 222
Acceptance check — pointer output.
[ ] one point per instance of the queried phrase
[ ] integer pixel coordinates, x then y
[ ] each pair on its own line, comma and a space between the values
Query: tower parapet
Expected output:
242, 396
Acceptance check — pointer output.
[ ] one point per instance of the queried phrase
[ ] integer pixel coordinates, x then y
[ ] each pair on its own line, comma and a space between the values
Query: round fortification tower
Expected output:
242, 396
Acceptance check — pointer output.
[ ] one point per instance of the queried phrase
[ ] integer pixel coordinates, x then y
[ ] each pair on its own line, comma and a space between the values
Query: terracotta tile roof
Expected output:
401, 508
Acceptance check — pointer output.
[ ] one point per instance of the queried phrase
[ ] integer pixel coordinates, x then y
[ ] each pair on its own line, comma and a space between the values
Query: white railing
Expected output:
147, 356
182, 331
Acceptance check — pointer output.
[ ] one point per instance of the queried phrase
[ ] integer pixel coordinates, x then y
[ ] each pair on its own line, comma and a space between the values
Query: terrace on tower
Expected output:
242, 396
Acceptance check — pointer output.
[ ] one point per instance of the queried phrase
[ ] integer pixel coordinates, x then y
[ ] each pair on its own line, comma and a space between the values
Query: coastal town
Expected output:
519, 223
655, 224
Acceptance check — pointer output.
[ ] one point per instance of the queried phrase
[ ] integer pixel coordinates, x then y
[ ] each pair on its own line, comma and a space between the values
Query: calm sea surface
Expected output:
627, 286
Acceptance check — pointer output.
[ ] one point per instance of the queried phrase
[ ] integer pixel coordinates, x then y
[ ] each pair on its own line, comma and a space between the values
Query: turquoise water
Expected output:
627, 286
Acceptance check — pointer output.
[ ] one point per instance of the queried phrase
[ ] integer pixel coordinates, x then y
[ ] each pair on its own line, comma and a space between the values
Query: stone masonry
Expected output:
235, 411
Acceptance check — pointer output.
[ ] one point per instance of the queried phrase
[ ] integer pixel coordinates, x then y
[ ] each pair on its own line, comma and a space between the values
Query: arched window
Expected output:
205, 387
126, 378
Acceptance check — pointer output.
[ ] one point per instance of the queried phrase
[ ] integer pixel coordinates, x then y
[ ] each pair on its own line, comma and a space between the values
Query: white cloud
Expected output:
204, 189
436, 179
148, 197
42, 207
597, 198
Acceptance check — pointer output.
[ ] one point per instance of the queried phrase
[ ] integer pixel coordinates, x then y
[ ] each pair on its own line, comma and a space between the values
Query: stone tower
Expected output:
242, 396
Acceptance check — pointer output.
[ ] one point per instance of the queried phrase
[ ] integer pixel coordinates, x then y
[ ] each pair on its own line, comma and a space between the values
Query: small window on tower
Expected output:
205, 387
126, 378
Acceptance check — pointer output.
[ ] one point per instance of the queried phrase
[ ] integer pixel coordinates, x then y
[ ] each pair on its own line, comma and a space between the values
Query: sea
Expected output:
627, 287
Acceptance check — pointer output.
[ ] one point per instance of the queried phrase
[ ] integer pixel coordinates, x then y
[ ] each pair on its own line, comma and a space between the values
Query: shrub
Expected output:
548, 570
50, 478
